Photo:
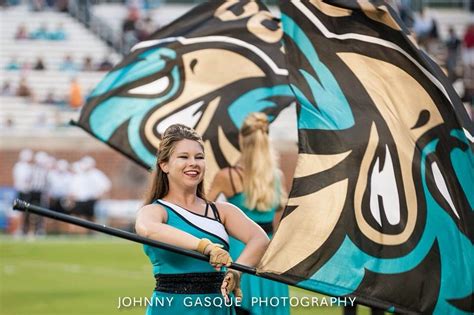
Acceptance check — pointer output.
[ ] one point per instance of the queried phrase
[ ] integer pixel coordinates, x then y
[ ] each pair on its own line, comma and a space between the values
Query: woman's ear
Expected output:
164, 167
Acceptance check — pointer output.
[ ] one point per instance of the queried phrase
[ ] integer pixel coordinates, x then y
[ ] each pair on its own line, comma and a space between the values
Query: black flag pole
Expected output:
24, 206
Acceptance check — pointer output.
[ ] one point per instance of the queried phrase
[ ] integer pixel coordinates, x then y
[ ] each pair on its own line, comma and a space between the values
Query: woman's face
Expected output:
186, 165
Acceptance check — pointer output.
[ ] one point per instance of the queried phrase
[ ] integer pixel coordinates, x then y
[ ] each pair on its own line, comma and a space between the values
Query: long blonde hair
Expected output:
259, 164
159, 185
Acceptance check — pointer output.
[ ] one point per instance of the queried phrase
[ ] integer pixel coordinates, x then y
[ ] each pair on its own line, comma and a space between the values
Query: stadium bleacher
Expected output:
79, 44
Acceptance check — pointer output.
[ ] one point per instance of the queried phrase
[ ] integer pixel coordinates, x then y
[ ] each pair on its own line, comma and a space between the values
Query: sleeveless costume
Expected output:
252, 286
192, 286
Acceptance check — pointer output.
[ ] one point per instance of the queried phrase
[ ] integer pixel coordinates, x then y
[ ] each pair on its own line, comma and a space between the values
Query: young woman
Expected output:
255, 185
176, 212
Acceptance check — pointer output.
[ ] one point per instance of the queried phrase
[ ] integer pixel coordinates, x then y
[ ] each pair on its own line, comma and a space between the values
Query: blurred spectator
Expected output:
50, 3
129, 24
22, 175
129, 29
62, 5
58, 34
23, 89
425, 28
79, 194
452, 46
87, 65
146, 27
75, 94
41, 33
51, 99
13, 65
38, 188
22, 171
105, 65
7, 123
39, 65
21, 32
68, 64
405, 12
98, 183
7, 89
468, 46
59, 188
37, 5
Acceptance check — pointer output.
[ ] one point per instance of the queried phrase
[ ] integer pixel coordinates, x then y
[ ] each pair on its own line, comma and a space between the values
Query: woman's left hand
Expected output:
231, 284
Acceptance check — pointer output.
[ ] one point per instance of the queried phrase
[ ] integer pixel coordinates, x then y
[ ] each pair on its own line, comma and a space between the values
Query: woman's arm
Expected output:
150, 224
256, 242
242, 228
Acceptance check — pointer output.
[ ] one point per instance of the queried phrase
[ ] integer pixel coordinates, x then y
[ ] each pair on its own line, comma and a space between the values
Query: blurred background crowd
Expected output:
72, 188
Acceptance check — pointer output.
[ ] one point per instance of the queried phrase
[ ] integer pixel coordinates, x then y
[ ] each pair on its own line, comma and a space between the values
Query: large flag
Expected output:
208, 70
381, 206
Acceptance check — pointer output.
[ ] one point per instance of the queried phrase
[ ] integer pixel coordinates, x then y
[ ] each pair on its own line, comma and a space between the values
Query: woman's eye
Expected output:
200, 157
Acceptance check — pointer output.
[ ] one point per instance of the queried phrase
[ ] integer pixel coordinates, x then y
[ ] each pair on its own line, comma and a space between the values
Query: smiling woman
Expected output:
177, 212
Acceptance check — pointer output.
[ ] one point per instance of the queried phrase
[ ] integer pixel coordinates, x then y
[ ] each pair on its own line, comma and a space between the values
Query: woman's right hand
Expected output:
218, 257
231, 284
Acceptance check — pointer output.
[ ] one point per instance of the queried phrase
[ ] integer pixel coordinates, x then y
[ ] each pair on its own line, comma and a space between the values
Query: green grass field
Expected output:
83, 275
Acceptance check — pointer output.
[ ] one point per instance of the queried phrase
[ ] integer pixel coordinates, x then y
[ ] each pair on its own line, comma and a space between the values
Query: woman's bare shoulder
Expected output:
223, 174
152, 210
225, 206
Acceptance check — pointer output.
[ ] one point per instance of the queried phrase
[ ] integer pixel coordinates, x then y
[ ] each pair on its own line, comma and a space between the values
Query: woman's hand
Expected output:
231, 284
218, 257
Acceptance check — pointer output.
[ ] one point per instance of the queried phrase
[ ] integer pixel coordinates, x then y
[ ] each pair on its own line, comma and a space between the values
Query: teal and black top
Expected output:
185, 280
